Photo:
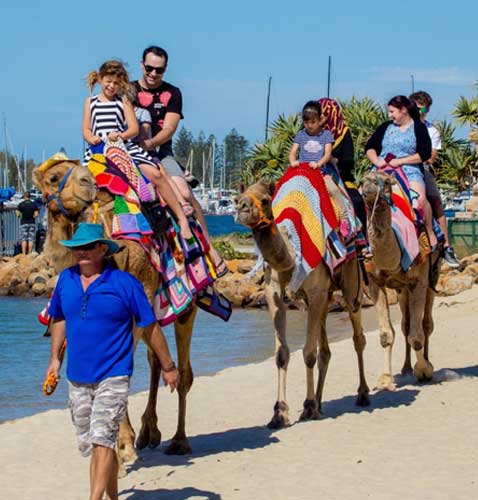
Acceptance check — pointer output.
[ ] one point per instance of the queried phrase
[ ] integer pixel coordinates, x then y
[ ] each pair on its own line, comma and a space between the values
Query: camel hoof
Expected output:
149, 436
423, 373
407, 369
385, 383
179, 447
311, 410
363, 399
281, 416
127, 453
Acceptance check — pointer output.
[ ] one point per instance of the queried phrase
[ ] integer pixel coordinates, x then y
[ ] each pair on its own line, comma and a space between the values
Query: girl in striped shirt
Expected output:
110, 115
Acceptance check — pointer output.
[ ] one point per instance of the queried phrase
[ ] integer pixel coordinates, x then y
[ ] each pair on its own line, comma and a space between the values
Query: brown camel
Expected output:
68, 205
254, 210
415, 292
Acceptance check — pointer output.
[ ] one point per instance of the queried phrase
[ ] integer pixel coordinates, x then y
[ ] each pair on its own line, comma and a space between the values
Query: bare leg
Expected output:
161, 183
30, 246
427, 210
103, 473
24, 247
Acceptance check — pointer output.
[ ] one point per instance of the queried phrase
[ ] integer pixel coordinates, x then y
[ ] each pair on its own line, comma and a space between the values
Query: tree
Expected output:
183, 145
466, 113
233, 153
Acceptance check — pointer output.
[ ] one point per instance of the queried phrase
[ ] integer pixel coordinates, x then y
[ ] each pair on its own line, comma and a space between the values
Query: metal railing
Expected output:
9, 230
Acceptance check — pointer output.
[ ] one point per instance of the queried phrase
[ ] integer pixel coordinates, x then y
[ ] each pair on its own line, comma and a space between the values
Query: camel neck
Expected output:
384, 244
273, 248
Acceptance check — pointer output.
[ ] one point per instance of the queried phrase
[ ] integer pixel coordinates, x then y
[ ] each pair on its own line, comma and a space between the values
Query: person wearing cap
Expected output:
27, 210
94, 306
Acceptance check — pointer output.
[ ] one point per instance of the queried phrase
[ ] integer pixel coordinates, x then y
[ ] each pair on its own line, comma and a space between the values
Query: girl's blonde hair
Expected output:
110, 68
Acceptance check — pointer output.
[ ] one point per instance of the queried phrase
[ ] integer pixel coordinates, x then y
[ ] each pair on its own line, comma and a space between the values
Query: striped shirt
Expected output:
312, 147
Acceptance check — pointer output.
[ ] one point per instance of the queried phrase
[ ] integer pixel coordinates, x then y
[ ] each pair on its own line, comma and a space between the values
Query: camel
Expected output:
416, 293
254, 209
67, 205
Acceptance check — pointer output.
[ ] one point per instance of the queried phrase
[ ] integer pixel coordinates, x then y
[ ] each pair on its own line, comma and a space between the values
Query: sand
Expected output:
419, 442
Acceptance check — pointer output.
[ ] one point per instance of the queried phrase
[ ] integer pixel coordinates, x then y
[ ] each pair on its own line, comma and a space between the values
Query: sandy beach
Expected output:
418, 442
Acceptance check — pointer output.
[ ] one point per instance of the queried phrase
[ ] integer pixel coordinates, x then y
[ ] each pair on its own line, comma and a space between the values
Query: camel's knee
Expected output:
310, 358
324, 356
416, 340
282, 357
360, 342
186, 379
387, 338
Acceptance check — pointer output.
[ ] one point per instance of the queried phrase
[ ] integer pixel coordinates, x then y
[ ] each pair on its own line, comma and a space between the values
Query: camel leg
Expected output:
324, 350
423, 369
405, 310
274, 297
316, 317
149, 435
183, 330
387, 338
353, 297
428, 321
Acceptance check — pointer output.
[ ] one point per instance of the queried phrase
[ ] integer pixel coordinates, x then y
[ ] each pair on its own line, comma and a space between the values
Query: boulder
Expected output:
38, 277
39, 288
451, 285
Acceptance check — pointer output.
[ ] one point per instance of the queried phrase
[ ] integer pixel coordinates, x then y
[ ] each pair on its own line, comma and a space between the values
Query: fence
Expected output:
463, 235
9, 230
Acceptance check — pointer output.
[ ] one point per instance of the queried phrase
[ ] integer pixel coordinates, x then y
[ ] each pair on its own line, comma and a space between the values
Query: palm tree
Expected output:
466, 113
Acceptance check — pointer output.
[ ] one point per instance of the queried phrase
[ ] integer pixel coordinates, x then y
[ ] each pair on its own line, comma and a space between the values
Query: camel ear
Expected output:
242, 187
272, 187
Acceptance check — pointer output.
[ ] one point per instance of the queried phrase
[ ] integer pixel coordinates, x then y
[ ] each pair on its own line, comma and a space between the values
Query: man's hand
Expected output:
54, 367
171, 378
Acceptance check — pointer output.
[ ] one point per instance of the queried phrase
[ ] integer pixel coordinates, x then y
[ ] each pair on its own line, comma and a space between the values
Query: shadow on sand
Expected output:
163, 494
439, 377
232, 440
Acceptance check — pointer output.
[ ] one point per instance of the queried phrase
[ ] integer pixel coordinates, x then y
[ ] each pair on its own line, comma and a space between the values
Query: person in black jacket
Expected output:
407, 139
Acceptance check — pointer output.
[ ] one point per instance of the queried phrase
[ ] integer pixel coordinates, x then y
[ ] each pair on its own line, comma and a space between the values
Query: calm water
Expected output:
216, 345
223, 224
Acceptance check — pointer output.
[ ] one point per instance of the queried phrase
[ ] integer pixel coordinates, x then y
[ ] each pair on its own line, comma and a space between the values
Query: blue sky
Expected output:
222, 53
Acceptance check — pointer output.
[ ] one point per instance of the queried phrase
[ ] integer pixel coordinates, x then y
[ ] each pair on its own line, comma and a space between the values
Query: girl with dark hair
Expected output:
313, 145
407, 139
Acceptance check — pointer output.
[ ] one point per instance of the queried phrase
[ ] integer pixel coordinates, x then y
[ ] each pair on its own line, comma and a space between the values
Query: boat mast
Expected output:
5, 161
328, 76
267, 108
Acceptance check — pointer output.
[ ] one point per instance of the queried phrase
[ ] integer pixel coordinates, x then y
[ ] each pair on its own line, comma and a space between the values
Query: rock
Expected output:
471, 270
39, 288
19, 290
451, 285
8, 271
246, 265
41, 277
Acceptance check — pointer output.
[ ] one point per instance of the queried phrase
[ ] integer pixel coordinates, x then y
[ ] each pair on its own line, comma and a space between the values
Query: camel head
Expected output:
377, 189
254, 205
67, 188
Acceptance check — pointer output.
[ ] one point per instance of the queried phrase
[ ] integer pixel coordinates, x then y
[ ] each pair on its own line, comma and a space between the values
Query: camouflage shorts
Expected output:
97, 410
27, 232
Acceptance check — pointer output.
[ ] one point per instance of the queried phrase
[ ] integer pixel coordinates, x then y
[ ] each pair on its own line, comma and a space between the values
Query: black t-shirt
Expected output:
164, 99
27, 208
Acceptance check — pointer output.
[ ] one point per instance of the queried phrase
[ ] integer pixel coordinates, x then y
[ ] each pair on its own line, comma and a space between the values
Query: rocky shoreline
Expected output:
34, 276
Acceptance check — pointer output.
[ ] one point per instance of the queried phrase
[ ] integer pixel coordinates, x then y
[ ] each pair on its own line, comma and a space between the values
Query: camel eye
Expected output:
264, 202
54, 179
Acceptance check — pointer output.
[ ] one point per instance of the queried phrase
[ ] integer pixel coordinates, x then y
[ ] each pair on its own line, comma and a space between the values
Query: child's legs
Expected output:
335, 194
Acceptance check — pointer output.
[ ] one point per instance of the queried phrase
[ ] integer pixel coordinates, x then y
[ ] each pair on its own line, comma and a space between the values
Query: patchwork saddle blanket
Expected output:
406, 218
302, 205
187, 268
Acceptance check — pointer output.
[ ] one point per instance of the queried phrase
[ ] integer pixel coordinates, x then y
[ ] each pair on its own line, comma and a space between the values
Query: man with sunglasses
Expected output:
424, 101
94, 306
164, 102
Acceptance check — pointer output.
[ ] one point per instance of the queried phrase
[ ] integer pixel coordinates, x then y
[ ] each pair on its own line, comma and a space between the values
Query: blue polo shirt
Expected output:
99, 322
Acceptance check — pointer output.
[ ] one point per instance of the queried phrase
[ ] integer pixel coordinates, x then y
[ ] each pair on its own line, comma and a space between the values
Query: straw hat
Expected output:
56, 158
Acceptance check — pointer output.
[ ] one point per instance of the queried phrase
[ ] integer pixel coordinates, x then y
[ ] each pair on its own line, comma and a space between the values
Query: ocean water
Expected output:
219, 225
24, 352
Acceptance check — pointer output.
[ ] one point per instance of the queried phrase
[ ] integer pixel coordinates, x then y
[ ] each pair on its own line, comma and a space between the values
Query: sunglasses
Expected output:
159, 70
423, 109
87, 247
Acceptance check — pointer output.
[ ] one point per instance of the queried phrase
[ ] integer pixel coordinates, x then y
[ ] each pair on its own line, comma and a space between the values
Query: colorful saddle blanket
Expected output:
301, 204
187, 268
406, 219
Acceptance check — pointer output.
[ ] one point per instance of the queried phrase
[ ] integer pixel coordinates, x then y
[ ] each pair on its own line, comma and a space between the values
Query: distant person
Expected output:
94, 306
165, 104
313, 145
27, 210
109, 115
424, 101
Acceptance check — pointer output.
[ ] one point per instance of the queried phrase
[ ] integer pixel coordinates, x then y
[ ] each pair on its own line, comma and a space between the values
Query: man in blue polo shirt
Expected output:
95, 306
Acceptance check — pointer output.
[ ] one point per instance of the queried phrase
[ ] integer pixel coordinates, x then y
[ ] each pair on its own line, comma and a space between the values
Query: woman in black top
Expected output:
407, 139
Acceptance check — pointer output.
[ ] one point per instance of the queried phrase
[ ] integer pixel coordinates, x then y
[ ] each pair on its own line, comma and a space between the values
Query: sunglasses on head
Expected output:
159, 69
87, 247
